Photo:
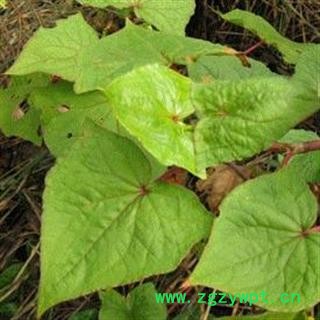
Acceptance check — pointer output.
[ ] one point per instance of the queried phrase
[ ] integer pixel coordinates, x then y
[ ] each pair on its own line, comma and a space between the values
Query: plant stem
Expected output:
315, 229
295, 148
254, 47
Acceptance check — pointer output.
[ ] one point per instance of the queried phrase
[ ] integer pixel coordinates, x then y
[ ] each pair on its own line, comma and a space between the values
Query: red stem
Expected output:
295, 148
254, 47
315, 229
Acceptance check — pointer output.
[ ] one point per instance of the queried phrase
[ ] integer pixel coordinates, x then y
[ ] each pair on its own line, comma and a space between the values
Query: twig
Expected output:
291, 150
207, 312
314, 229
251, 49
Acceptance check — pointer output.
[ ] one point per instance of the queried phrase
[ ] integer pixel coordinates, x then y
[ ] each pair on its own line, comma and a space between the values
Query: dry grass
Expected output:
299, 20
21, 19
22, 169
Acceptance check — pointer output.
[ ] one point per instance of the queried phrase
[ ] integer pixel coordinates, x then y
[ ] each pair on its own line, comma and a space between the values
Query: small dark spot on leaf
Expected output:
144, 191
55, 79
175, 118
222, 113
69, 135
39, 132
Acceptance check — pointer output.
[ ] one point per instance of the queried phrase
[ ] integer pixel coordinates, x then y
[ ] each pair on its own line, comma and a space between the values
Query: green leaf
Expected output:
241, 118
193, 312
17, 116
151, 103
170, 16
8, 310
259, 26
306, 83
8, 275
208, 68
116, 55
306, 78
265, 233
107, 222
270, 316
3, 3
90, 314
58, 50
139, 304
59, 99
63, 114
182, 50
306, 165
93, 66
237, 118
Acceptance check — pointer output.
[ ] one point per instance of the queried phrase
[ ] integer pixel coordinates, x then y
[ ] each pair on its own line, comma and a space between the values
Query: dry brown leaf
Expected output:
175, 175
221, 181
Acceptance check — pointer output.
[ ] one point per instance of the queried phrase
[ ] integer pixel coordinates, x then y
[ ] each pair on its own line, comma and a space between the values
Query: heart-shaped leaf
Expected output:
107, 221
152, 103
266, 232
241, 118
